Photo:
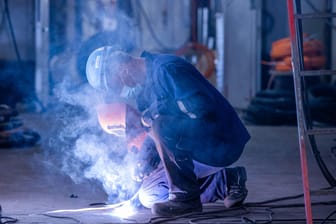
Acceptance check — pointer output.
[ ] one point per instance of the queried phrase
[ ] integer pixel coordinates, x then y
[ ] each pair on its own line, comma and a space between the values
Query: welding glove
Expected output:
147, 118
146, 160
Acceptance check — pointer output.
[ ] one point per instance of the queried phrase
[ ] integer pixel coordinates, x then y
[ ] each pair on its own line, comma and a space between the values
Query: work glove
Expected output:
146, 160
147, 118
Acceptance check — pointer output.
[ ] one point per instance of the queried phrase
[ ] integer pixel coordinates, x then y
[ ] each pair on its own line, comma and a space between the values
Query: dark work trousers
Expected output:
155, 188
179, 177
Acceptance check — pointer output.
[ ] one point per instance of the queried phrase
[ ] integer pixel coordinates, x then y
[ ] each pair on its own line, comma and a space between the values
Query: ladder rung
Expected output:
317, 72
315, 15
321, 131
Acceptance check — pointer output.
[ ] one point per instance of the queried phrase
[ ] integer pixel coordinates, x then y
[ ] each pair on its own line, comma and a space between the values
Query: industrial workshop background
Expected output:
243, 47
46, 42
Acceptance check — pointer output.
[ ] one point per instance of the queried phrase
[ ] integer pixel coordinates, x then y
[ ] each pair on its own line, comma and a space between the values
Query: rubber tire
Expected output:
22, 138
264, 115
322, 103
272, 107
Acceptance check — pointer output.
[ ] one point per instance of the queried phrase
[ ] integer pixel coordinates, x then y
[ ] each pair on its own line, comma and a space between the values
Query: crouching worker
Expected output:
196, 132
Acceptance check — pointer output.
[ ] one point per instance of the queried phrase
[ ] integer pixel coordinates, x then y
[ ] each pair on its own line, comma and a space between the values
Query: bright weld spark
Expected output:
113, 206
124, 211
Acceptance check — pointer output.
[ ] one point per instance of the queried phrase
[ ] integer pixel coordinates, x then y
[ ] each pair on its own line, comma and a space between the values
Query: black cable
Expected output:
2, 23
6, 219
274, 200
286, 198
222, 213
199, 215
295, 205
312, 5
314, 8
11, 30
62, 217
239, 217
229, 218
245, 219
320, 162
17, 52
151, 30
266, 211
268, 22
328, 217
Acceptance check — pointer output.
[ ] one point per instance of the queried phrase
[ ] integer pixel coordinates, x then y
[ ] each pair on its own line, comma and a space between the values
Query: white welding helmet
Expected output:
102, 67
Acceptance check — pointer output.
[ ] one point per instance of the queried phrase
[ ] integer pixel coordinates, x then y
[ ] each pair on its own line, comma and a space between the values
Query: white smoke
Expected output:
113, 174
83, 150
86, 151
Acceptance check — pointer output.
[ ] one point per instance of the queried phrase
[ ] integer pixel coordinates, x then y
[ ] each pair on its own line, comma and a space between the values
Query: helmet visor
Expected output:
112, 118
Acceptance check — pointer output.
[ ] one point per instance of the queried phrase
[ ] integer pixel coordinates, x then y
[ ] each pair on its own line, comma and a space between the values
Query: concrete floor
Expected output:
32, 185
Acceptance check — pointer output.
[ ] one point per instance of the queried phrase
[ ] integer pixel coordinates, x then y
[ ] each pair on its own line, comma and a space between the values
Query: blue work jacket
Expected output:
196, 116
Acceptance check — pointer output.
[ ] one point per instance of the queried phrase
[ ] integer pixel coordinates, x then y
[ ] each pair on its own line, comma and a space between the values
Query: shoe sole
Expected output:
234, 203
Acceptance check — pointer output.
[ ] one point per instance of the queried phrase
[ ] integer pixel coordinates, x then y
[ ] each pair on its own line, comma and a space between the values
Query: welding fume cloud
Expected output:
186, 134
86, 150
78, 144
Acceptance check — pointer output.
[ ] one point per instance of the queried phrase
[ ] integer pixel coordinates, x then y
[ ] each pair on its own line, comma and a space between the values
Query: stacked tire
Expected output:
12, 131
276, 105
272, 107
322, 103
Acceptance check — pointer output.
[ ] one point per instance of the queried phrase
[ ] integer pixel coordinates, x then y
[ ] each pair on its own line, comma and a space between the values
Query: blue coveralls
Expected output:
196, 131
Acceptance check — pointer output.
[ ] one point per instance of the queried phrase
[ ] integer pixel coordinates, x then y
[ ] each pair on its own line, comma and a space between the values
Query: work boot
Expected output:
236, 188
176, 208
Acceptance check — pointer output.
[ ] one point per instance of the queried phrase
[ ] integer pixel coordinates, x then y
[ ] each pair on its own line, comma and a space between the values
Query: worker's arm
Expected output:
146, 159
181, 93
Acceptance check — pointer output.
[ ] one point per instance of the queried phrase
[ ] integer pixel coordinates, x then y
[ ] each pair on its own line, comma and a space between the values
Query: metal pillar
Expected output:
42, 85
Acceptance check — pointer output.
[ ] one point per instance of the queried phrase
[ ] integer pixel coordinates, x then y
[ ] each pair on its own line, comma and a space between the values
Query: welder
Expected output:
197, 133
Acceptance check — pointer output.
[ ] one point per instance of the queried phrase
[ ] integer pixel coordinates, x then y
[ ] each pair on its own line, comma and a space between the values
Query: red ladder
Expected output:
304, 122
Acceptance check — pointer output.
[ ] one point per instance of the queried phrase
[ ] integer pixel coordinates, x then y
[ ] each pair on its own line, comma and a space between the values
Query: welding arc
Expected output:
113, 206
106, 207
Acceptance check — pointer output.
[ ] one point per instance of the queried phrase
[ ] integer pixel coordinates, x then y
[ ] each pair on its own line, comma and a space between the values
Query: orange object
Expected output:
112, 118
310, 63
282, 67
312, 47
282, 48
205, 57
121, 120
313, 54
315, 62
